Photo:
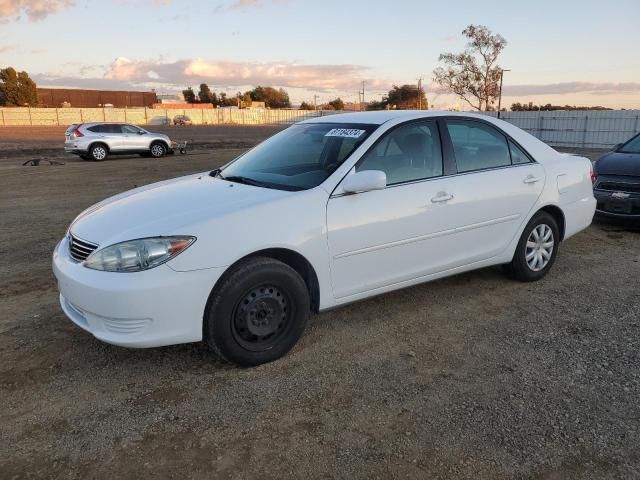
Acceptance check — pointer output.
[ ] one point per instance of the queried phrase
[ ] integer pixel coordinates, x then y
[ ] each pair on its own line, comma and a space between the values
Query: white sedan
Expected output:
329, 211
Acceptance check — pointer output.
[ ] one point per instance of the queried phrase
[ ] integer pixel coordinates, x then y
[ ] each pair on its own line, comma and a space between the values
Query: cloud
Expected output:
597, 88
34, 9
230, 73
244, 5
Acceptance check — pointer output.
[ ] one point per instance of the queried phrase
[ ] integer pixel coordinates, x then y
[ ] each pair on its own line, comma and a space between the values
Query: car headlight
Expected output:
137, 255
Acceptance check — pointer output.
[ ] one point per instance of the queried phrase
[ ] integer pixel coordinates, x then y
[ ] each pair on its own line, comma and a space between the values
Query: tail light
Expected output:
593, 175
77, 133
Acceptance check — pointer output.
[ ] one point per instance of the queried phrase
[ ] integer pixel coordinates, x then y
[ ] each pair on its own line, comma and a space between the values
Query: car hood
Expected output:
172, 207
617, 163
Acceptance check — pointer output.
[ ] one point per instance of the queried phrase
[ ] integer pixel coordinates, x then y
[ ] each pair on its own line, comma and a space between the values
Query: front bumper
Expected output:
144, 309
625, 206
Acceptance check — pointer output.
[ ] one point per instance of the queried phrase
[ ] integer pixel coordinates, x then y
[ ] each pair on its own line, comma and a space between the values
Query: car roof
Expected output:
382, 116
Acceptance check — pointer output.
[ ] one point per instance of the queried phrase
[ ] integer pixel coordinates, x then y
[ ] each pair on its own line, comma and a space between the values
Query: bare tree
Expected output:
473, 75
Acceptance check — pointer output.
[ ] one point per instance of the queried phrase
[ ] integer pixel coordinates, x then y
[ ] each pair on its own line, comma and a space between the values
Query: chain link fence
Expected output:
585, 129
152, 116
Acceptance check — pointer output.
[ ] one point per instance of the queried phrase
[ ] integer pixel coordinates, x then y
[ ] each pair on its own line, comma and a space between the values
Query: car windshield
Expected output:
632, 146
300, 157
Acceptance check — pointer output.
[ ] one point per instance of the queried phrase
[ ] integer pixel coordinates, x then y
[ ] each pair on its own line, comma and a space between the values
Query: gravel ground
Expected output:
475, 376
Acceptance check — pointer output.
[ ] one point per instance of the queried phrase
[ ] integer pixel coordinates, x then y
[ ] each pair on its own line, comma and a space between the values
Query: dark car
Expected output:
617, 183
181, 120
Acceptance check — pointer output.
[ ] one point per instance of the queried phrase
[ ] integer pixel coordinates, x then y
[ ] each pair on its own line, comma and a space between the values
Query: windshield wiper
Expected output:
246, 181
216, 173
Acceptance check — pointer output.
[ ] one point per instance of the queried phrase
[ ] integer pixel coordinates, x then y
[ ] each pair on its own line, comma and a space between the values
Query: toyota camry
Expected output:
329, 211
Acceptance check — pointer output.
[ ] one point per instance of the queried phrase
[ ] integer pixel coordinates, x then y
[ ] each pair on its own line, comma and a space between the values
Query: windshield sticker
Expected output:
344, 132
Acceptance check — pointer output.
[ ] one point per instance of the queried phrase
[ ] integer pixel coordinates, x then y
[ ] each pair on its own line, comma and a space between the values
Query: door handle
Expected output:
442, 197
531, 179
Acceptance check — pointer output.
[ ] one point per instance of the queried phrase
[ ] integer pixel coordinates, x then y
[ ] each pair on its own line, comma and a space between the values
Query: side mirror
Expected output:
365, 181
141, 132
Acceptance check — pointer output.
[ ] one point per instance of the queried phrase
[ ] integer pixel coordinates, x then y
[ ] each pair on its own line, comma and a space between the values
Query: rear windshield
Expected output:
632, 146
300, 157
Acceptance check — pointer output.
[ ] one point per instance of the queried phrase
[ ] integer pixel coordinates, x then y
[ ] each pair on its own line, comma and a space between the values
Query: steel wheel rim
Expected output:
261, 317
157, 151
99, 153
539, 247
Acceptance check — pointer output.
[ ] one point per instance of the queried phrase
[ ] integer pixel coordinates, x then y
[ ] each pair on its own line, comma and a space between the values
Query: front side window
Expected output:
477, 146
407, 153
300, 157
130, 129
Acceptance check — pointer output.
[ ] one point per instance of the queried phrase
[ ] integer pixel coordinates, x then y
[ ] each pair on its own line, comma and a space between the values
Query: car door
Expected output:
496, 187
112, 135
384, 237
134, 138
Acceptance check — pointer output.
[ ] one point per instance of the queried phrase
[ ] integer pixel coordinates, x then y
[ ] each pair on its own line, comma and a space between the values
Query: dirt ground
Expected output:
475, 376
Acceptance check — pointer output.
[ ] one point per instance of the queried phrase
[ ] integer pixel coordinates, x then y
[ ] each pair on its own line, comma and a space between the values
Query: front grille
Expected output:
80, 249
619, 187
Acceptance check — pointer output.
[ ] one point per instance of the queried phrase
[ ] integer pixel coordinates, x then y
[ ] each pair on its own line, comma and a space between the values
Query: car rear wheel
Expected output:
257, 313
537, 249
98, 152
158, 150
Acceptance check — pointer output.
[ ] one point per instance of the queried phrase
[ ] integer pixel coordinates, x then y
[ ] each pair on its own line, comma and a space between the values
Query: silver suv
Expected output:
96, 141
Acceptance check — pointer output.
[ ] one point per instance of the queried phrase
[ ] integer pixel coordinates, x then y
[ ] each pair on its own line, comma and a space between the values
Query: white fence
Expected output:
585, 128
150, 116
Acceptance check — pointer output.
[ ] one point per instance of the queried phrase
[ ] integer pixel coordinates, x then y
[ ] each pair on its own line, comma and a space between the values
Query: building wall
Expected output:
77, 98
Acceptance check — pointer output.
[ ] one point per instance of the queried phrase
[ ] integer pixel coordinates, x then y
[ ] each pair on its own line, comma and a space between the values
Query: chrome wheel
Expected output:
539, 248
99, 153
157, 150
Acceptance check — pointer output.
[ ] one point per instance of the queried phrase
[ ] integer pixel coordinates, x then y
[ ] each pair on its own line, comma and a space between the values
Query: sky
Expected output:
580, 52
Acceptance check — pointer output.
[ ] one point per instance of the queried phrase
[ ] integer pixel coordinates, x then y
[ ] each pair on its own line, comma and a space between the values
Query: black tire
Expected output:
98, 152
520, 267
158, 149
257, 312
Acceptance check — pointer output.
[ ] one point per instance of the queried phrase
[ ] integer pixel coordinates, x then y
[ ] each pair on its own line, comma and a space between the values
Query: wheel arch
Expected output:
294, 260
159, 140
558, 215
99, 142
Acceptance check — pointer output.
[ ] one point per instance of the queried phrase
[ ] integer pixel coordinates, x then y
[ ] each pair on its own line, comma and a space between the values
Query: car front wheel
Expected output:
537, 249
257, 312
158, 150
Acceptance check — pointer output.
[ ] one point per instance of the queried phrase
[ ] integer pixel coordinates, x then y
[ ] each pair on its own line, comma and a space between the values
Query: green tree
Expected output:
337, 104
246, 99
17, 89
205, 95
474, 74
406, 97
272, 98
189, 95
307, 106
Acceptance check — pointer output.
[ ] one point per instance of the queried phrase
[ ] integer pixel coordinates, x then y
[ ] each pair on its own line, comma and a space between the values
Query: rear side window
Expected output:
96, 129
477, 146
111, 128
407, 153
518, 157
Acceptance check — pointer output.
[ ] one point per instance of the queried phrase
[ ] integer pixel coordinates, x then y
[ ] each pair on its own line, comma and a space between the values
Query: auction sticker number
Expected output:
344, 132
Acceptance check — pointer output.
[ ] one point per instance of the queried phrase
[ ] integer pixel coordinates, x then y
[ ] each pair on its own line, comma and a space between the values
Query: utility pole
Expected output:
362, 101
420, 93
315, 102
500, 94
